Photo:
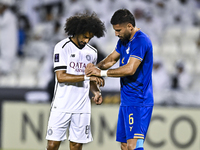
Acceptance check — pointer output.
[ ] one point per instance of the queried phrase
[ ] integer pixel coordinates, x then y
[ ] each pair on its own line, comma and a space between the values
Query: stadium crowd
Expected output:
30, 29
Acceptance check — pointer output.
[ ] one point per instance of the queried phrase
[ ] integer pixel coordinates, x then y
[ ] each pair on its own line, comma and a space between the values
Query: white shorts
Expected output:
78, 124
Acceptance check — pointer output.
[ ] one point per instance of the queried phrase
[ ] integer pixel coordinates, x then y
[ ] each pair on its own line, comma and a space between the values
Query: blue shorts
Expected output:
133, 122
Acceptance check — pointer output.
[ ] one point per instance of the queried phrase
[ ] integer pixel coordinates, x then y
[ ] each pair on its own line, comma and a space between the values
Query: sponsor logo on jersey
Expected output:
88, 57
56, 59
78, 66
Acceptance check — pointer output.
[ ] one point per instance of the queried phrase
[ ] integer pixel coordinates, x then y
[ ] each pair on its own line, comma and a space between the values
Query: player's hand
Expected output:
97, 98
91, 69
99, 80
90, 65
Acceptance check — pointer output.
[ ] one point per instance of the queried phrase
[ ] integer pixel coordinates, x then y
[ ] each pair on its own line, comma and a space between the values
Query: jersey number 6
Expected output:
131, 119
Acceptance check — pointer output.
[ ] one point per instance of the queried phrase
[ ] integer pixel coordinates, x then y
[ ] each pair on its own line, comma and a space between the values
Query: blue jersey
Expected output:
136, 90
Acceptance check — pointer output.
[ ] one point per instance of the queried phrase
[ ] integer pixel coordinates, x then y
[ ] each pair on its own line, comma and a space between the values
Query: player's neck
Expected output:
135, 29
74, 40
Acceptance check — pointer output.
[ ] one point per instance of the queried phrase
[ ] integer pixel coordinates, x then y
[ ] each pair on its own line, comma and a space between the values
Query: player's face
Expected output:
83, 39
122, 31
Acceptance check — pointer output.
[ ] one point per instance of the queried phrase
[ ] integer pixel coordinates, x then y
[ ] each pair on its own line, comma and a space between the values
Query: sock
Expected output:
140, 148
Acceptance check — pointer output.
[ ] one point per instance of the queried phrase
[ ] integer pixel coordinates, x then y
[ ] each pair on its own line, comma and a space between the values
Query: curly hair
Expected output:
82, 23
122, 16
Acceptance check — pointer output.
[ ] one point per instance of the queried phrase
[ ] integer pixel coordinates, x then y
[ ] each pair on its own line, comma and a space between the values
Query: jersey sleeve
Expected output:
59, 58
138, 51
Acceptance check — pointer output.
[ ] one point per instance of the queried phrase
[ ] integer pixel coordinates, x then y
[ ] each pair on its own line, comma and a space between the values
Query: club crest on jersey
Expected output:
88, 57
56, 58
128, 49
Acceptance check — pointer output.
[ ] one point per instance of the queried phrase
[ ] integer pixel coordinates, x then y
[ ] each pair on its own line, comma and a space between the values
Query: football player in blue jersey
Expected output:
135, 53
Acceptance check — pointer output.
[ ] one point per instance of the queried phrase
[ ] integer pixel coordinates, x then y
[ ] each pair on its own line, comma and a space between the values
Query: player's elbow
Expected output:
61, 76
130, 71
60, 80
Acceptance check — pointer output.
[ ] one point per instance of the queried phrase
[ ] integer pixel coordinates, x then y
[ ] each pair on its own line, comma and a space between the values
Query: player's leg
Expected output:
131, 144
56, 130
53, 145
79, 131
135, 126
75, 146
135, 144
121, 132
124, 146
141, 117
128, 128
146, 118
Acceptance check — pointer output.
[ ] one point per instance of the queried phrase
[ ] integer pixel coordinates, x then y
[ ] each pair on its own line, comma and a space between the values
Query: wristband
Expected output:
104, 73
86, 78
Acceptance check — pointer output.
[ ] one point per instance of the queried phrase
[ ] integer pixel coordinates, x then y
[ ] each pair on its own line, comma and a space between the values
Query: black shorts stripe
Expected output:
60, 67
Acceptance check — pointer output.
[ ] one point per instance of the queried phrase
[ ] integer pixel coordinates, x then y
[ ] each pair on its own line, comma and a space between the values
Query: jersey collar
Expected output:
75, 44
136, 33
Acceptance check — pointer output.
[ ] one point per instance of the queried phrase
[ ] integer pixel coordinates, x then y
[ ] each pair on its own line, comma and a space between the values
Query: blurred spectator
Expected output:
96, 6
44, 17
37, 47
197, 3
29, 9
184, 13
24, 29
181, 80
160, 77
138, 9
49, 35
73, 7
162, 10
41, 50
154, 27
8, 37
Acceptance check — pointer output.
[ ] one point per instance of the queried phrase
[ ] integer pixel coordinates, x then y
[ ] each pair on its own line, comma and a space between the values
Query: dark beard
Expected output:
125, 40
81, 45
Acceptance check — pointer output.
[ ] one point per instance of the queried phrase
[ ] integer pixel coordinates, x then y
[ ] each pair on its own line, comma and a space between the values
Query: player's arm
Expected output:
64, 77
126, 70
109, 61
94, 88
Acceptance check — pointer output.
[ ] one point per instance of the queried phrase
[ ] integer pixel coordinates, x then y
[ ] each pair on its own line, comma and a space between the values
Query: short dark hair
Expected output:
82, 23
122, 16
